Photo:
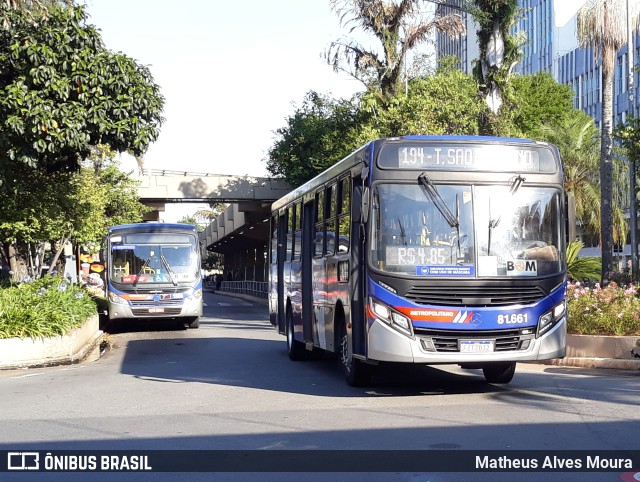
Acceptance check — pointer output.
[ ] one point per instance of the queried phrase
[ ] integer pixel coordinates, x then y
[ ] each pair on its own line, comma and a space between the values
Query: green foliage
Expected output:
318, 134
47, 307
613, 310
424, 110
324, 130
539, 100
582, 269
52, 206
62, 91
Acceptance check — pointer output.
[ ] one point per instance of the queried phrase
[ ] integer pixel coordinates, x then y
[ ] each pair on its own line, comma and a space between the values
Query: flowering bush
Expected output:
613, 310
49, 306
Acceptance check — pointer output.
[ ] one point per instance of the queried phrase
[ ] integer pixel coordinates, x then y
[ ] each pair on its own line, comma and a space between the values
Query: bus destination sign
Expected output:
467, 157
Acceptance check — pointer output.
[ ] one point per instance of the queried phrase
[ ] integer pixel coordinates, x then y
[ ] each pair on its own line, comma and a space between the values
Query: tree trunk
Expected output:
61, 245
4, 260
606, 192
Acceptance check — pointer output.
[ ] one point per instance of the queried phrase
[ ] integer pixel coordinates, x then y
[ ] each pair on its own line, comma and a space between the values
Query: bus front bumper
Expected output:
387, 344
188, 309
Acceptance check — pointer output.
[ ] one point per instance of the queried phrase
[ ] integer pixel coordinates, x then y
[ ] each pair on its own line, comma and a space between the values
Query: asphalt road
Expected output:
229, 385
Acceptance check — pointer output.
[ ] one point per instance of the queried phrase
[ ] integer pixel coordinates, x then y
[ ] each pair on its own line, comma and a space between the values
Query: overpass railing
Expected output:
251, 288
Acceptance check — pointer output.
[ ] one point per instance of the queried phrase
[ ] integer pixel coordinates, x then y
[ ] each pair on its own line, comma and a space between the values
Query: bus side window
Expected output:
330, 224
344, 215
274, 239
319, 239
297, 237
290, 219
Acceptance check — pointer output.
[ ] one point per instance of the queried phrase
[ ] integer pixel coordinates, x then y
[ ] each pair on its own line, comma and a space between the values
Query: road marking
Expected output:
29, 375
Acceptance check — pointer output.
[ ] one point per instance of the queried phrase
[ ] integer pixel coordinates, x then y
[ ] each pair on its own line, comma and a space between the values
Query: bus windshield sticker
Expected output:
123, 246
445, 270
522, 267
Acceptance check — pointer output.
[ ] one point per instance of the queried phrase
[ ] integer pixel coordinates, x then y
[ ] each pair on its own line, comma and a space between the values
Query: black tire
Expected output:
193, 322
295, 348
501, 372
356, 372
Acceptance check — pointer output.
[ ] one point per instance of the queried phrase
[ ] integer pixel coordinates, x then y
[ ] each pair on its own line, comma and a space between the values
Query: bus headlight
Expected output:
391, 317
551, 318
196, 295
114, 298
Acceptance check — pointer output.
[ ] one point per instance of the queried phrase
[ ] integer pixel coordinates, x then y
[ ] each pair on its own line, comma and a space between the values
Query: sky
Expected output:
230, 73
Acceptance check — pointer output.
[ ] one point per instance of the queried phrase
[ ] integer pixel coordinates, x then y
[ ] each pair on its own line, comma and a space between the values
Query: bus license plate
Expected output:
476, 346
156, 310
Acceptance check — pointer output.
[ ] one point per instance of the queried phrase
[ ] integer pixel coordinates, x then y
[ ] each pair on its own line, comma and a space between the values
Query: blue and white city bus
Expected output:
153, 271
425, 249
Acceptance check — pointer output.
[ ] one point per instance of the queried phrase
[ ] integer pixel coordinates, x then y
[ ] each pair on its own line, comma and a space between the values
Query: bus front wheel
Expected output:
193, 322
356, 372
499, 372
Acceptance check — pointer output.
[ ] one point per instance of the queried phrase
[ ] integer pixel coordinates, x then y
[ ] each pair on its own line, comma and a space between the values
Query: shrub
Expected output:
613, 310
580, 269
47, 307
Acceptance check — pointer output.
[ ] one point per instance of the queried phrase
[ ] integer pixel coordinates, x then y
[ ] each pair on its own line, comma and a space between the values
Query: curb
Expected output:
68, 349
585, 362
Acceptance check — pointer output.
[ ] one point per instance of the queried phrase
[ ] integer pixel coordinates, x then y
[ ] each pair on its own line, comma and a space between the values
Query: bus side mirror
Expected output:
364, 205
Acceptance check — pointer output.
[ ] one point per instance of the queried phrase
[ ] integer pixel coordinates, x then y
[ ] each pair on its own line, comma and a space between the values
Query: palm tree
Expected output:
578, 139
601, 25
399, 26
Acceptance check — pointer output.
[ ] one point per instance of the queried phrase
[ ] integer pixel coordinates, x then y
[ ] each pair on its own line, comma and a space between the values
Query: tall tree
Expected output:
499, 53
578, 139
539, 100
62, 91
320, 132
601, 25
399, 26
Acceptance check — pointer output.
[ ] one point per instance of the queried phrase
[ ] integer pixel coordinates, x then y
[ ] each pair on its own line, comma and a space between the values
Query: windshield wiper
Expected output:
144, 265
403, 235
516, 183
434, 196
169, 270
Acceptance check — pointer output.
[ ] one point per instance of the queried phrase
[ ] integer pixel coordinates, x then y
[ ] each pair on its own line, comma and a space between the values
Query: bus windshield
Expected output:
465, 231
154, 258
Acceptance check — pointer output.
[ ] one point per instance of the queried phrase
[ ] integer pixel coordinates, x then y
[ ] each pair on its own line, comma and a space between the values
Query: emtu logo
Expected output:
23, 461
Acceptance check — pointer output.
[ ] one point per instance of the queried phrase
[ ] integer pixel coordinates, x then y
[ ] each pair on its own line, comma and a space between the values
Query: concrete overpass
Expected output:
241, 232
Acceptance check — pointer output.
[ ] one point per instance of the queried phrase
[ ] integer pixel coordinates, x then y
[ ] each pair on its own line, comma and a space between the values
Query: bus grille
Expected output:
447, 340
146, 303
475, 296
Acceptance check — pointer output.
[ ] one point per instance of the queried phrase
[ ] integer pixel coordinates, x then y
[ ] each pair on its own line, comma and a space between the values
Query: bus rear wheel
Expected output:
499, 372
356, 372
295, 348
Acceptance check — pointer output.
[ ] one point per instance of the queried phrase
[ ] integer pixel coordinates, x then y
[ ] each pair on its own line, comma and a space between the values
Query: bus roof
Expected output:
152, 227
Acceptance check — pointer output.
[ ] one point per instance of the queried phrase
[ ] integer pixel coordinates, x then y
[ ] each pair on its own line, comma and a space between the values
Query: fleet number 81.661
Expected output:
513, 319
